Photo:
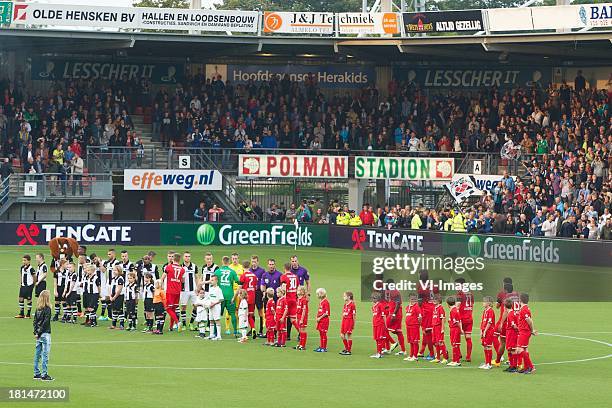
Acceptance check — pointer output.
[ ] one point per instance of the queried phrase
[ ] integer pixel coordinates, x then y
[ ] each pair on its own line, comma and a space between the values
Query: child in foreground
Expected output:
159, 307
302, 317
270, 317
379, 330
454, 326
413, 325
243, 315
487, 325
322, 320
282, 309
348, 323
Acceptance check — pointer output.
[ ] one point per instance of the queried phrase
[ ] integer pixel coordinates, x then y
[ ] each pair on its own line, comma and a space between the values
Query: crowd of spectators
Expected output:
280, 114
49, 132
565, 132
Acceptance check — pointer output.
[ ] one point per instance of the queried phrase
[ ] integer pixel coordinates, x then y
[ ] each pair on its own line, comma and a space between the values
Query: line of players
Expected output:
425, 314
286, 305
117, 284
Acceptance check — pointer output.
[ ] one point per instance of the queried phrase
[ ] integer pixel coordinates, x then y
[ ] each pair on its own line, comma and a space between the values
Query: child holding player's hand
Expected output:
302, 317
486, 332
202, 304
243, 315
282, 309
379, 329
270, 317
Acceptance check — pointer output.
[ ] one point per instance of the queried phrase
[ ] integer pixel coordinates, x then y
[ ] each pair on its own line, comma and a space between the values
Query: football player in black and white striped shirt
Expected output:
116, 296
148, 290
107, 269
131, 299
189, 294
40, 283
70, 294
83, 260
128, 266
91, 293
144, 266
59, 281
26, 286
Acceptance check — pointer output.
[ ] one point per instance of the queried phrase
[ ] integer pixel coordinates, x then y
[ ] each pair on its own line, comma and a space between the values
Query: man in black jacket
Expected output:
568, 228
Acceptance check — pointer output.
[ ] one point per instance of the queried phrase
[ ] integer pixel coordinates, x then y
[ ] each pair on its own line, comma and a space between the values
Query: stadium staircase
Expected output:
228, 198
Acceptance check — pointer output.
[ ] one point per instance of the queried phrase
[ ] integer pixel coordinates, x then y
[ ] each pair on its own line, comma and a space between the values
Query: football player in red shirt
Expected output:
413, 323
426, 293
270, 317
378, 323
511, 333
499, 335
290, 282
322, 320
454, 325
394, 319
302, 317
437, 321
282, 310
465, 303
348, 323
174, 273
525, 330
249, 283
486, 331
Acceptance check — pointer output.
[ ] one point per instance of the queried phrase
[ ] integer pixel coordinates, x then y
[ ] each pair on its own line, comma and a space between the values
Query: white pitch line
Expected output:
230, 368
284, 369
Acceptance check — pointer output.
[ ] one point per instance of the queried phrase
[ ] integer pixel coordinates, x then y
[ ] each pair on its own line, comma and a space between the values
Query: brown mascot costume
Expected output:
61, 248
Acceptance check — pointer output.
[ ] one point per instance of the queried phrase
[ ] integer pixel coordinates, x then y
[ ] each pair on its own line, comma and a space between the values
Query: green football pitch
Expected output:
104, 368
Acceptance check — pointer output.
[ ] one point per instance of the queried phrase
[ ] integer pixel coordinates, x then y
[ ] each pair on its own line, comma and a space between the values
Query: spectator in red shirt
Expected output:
367, 218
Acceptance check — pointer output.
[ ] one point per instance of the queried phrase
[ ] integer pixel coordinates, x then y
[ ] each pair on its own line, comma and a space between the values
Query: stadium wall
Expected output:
503, 248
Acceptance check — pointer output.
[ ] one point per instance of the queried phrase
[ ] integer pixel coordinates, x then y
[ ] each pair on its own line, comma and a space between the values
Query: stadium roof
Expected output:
574, 48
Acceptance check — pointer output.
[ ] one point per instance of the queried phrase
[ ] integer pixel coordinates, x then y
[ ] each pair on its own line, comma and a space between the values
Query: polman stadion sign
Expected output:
281, 165
135, 17
52, 69
404, 168
325, 76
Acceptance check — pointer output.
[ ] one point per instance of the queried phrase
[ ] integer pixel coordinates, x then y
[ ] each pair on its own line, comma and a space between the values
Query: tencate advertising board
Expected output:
40, 233
376, 239
283, 165
306, 235
135, 17
404, 168
325, 76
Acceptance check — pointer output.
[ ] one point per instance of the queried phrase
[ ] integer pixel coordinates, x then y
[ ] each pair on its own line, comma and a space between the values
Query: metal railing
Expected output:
46, 187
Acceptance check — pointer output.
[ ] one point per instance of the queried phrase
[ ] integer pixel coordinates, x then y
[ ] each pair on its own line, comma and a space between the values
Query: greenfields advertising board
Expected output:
530, 249
404, 168
244, 234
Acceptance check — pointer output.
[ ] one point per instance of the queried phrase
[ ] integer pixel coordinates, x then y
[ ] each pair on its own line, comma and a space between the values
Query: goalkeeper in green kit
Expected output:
227, 278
